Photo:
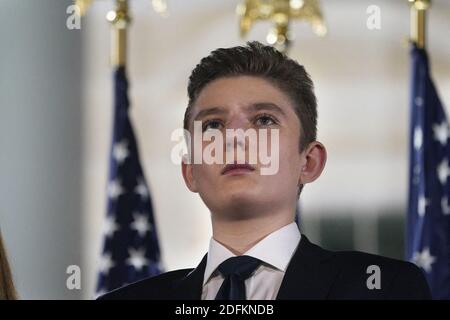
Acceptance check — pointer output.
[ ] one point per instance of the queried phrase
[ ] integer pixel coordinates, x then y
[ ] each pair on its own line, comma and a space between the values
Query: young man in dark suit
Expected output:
256, 250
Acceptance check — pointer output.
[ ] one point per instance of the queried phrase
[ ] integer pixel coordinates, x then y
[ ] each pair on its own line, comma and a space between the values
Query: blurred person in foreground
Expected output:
7, 290
256, 250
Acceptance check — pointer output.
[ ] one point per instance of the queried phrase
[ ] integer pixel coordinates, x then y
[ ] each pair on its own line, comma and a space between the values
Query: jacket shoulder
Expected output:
376, 276
154, 288
355, 258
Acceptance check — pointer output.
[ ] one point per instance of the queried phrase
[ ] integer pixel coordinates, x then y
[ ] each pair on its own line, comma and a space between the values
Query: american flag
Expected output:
428, 217
130, 249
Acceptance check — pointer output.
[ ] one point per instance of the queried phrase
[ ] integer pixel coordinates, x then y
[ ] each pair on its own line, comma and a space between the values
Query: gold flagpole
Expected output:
418, 21
120, 20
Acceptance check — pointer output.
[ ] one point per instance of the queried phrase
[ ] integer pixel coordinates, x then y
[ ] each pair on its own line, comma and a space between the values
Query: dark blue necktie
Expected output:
235, 271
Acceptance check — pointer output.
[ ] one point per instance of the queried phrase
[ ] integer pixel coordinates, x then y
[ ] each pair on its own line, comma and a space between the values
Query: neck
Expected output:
239, 236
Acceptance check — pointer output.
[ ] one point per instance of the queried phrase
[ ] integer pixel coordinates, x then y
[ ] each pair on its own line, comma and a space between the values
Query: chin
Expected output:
238, 204
243, 199
241, 196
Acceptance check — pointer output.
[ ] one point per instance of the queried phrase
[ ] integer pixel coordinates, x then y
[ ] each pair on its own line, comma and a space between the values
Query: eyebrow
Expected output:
258, 106
206, 112
267, 106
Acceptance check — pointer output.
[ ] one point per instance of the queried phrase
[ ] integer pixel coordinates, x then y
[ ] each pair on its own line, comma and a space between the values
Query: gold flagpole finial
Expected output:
120, 20
83, 5
280, 12
418, 21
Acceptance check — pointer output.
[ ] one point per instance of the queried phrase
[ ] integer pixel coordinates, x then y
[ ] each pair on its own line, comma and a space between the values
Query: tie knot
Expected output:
241, 266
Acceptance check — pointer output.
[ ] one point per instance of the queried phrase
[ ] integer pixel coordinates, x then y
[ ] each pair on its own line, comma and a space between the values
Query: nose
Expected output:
235, 137
237, 120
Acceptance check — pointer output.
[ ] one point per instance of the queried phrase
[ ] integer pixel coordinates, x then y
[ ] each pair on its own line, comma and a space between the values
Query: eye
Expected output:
211, 124
265, 120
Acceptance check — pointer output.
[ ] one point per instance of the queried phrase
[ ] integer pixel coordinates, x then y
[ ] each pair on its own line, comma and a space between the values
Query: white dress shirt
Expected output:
275, 250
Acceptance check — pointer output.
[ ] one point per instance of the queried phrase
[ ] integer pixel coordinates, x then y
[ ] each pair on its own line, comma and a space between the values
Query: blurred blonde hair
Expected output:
7, 290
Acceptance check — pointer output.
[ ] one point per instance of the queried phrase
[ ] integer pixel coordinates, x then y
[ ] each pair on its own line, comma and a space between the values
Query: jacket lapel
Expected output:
309, 275
190, 286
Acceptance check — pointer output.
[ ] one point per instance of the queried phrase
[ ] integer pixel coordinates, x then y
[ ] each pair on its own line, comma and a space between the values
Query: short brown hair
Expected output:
264, 61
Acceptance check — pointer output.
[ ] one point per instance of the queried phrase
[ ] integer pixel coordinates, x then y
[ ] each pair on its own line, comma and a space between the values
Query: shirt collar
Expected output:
276, 249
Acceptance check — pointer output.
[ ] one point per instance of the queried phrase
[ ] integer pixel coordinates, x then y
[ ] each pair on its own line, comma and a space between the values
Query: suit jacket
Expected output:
312, 273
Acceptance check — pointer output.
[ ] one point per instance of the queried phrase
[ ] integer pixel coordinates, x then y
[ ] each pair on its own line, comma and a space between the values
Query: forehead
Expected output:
241, 91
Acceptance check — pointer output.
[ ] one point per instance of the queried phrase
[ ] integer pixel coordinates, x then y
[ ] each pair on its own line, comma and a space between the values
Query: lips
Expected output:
237, 169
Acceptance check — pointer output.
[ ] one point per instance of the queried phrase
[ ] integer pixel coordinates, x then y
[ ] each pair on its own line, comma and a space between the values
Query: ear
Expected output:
186, 170
315, 157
